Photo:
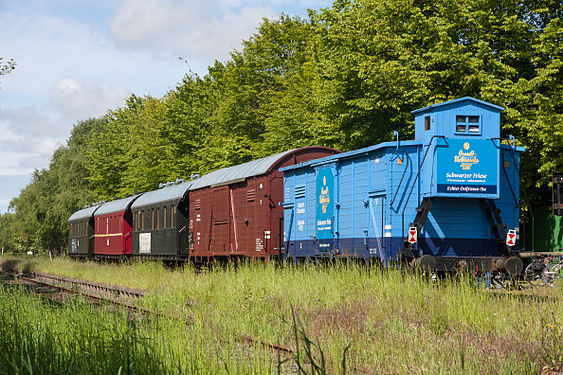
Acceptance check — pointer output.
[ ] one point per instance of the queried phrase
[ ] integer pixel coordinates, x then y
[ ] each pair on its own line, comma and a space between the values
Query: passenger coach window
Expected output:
468, 124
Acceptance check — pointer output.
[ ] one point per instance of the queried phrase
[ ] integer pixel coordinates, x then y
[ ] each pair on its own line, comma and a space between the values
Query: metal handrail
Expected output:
509, 184
401, 181
511, 138
525, 197
414, 182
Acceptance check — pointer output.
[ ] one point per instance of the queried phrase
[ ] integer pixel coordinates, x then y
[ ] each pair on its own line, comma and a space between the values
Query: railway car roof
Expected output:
116, 205
467, 98
83, 213
164, 194
328, 159
344, 155
238, 172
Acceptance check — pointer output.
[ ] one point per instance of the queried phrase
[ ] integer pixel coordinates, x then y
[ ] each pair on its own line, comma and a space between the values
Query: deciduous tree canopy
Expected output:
346, 77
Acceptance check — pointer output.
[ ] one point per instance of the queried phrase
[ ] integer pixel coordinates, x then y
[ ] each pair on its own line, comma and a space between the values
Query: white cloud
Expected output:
30, 135
201, 29
76, 99
10, 164
10, 185
25, 122
29, 132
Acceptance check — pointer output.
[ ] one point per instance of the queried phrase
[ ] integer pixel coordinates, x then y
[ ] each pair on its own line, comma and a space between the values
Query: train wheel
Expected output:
552, 273
533, 277
501, 280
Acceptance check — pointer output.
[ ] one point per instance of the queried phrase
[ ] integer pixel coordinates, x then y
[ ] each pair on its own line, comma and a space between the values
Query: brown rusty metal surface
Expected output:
237, 212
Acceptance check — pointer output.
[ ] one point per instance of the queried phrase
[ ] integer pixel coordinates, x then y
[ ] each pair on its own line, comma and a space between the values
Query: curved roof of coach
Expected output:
83, 213
167, 193
116, 205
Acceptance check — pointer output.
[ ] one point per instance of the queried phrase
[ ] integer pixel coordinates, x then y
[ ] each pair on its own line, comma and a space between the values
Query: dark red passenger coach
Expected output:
237, 211
113, 222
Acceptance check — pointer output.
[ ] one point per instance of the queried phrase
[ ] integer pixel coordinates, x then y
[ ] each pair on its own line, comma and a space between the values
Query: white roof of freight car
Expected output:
238, 172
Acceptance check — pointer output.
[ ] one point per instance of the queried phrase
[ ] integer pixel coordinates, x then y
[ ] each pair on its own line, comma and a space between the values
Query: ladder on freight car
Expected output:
497, 226
422, 211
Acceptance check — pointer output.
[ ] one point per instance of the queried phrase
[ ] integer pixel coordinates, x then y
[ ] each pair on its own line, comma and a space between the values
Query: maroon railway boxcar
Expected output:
113, 222
236, 211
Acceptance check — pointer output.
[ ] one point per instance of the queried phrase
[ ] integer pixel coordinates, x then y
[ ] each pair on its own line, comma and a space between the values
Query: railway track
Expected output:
91, 288
117, 296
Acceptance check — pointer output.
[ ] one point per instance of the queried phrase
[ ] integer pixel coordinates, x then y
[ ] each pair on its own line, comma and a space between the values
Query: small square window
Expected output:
468, 125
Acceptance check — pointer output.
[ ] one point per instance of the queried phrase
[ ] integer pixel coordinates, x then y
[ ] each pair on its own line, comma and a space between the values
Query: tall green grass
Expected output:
38, 336
379, 321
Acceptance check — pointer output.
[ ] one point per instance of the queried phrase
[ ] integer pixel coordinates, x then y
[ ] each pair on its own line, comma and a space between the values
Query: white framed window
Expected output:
468, 124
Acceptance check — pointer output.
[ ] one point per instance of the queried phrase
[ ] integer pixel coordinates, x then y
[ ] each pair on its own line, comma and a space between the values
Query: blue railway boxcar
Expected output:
455, 188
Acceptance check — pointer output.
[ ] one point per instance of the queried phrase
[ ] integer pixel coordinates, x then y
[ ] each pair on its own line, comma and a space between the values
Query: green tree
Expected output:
108, 149
7, 67
378, 60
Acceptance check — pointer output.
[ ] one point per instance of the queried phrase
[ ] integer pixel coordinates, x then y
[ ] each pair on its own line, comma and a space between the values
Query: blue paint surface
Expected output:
375, 192
360, 248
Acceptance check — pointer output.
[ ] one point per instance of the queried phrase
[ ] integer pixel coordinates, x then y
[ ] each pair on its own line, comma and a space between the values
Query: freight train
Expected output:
447, 200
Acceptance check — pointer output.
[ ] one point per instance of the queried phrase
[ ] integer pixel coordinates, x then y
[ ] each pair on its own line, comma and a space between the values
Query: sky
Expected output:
77, 59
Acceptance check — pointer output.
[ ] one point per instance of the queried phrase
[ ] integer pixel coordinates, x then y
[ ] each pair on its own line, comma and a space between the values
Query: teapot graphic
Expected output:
324, 198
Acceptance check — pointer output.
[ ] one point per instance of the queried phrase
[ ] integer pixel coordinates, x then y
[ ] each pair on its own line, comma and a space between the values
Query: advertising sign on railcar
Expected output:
144, 243
325, 203
468, 168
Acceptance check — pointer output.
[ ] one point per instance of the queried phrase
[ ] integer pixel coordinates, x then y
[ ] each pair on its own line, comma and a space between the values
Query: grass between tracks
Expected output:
379, 321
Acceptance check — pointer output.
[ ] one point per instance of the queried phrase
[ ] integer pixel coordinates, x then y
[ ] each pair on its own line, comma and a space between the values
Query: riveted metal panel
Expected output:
243, 217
